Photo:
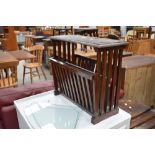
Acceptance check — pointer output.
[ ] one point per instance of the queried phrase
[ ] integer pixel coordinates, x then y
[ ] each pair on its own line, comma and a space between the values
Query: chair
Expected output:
103, 31
36, 63
8, 75
133, 46
28, 42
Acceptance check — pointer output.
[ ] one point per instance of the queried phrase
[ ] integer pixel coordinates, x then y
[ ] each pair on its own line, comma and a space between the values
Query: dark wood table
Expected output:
22, 55
86, 31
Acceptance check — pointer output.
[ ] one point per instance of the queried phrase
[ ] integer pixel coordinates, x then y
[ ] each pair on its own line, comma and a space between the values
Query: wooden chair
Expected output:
37, 50
28, 42
103, 31
132, 46
8, 75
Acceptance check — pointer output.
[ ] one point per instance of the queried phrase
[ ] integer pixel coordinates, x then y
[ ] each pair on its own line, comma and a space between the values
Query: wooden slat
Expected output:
77, 83
73, 53
59, 79
82, 91
59, 49
68, 51
109, 80
64, 51
97, 83
54, 78
142, 119
85, 93
118, 77
69, 84
114, 78
73, 87
54, 49
90, 101
66, 82
63, 80
147, 125
103, 84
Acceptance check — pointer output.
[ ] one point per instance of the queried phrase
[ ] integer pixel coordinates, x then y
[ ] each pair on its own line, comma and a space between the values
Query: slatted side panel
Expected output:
76, 84
86, 63
64, 51
8, 77
110, 79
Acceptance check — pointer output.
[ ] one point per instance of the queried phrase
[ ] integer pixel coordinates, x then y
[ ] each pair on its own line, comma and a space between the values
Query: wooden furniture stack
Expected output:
138, 79
103, 31
143, 47
93, 85
142, 32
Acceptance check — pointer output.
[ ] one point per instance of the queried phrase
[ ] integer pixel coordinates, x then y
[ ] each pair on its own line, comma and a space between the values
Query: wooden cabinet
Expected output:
139, 79
11, 41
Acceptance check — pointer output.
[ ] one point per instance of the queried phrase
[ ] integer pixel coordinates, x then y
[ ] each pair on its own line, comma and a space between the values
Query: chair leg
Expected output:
43, 73
38, 72
24, 74
31, 74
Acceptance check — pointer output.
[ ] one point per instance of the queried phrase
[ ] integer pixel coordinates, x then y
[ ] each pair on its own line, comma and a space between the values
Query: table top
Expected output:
22, 55
137, 61
90, 41
88, 28
38, 37
62, 28
5, 57
35, 37
31, 108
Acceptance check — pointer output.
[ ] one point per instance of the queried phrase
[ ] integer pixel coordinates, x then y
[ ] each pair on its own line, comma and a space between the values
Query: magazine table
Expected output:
29, 108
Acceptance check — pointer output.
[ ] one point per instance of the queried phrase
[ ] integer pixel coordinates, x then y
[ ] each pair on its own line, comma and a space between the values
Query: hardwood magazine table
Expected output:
36, 112
93, 85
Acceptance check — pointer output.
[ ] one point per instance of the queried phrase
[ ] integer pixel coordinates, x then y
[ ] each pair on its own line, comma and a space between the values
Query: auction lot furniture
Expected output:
46, 110
8, 115
36, 63
143, 47
139, 76
22, 55
94, 85
59, 30
8, 70
142, 32
86, 31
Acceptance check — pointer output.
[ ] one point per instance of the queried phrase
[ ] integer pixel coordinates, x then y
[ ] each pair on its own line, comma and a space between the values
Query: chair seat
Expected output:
8, 82
32, 65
